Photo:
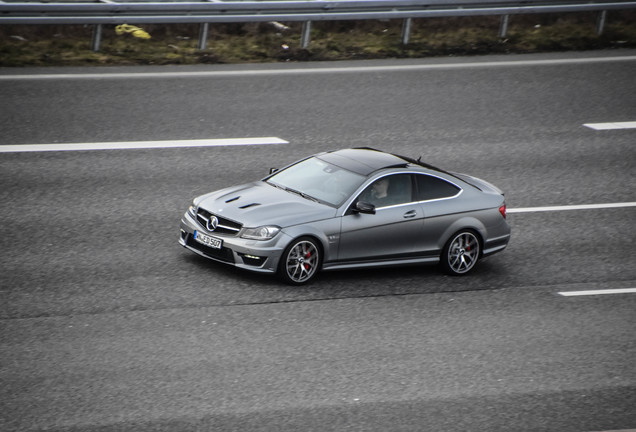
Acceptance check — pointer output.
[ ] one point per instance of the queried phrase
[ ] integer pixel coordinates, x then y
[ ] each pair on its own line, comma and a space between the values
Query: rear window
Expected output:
430, 188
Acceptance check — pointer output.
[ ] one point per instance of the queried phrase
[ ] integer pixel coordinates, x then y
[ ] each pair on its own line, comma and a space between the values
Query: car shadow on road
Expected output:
389, 281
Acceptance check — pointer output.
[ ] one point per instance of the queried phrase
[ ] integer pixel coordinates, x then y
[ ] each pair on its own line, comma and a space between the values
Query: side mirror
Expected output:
273, 170
364, 207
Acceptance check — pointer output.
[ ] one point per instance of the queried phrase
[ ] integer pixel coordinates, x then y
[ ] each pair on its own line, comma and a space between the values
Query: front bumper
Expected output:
253, 255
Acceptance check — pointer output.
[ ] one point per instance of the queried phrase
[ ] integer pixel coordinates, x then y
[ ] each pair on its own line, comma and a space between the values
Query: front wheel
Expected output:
300, 262
461, 253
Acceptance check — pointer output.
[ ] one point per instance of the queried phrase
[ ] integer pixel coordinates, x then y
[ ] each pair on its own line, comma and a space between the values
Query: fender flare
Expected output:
298, 231
465, 223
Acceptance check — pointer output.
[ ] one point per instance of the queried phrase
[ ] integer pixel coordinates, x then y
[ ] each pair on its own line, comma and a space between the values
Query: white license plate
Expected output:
207, 240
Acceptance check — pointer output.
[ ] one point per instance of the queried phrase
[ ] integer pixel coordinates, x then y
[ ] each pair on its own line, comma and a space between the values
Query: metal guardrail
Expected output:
101, 12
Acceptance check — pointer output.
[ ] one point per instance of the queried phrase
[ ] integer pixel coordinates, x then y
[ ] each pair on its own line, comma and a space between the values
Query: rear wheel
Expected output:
300, 262
461, 253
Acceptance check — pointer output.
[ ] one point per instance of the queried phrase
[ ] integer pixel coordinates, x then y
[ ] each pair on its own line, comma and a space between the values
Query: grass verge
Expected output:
334, 40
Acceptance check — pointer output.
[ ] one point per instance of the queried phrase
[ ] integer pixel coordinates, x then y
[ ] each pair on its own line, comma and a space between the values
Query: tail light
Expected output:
502, 210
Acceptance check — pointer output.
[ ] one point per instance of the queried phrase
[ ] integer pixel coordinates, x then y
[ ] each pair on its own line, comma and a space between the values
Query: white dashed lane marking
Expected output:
133, 145
598, 292
571, 207
611, 126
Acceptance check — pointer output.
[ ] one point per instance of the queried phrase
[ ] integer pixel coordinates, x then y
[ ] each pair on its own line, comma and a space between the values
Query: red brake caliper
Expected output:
307, 256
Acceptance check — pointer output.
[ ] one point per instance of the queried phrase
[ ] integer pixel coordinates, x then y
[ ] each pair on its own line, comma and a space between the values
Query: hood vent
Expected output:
232, 199
249, 205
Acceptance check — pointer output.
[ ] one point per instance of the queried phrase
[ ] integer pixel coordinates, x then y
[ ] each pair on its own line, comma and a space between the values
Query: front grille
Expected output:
224, 254
223, 225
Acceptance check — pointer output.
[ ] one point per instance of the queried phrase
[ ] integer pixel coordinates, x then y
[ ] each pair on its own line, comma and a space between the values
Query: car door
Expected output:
388, 233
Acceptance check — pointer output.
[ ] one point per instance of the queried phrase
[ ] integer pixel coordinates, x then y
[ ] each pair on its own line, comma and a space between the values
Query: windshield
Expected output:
319, 180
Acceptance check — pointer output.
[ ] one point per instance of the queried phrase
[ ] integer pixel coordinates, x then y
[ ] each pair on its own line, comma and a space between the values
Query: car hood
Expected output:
258, 203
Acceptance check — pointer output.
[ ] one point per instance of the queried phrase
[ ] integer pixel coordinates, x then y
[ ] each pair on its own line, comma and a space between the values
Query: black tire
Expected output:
461, 253
301, 261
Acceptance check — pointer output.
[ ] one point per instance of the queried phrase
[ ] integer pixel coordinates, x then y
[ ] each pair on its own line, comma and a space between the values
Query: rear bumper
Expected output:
495, 245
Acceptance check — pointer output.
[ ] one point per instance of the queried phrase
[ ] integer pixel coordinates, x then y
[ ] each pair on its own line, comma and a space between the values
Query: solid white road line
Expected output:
318, 70
598, 292
141, 145
571, 207
611, 126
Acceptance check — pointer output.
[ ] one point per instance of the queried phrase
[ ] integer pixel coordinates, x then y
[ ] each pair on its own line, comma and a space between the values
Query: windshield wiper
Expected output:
294, 191
302, 194
276, 185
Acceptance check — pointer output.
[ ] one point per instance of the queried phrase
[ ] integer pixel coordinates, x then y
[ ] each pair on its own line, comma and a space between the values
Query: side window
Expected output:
430, 188
389, 190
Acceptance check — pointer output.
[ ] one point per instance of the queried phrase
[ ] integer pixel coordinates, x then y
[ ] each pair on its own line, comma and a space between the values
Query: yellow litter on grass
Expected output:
136, 31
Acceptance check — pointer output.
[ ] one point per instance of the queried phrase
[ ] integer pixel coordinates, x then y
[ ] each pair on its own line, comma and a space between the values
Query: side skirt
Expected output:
386, 262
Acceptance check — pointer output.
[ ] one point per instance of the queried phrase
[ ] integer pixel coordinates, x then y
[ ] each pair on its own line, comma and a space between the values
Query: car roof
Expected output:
367, 160
363, 161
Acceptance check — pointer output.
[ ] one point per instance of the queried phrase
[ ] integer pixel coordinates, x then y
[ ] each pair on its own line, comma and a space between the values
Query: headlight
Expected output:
261, 233
192, 210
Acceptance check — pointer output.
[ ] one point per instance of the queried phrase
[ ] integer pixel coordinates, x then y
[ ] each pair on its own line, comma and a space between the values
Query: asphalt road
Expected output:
107, 324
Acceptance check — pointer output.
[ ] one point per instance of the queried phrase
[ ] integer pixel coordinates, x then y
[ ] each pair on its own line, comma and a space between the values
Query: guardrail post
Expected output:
406, 31
600, 22
503, 26
305, 35
96, 40
204, 30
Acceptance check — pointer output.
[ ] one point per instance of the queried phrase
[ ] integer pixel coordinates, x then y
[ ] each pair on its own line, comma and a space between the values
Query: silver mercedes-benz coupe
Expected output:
346, 209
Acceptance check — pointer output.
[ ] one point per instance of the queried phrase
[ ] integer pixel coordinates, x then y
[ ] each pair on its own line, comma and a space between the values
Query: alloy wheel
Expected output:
301, 262
461, 253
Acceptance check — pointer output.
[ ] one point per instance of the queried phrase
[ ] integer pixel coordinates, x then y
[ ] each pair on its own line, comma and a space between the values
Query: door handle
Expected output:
410, 214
